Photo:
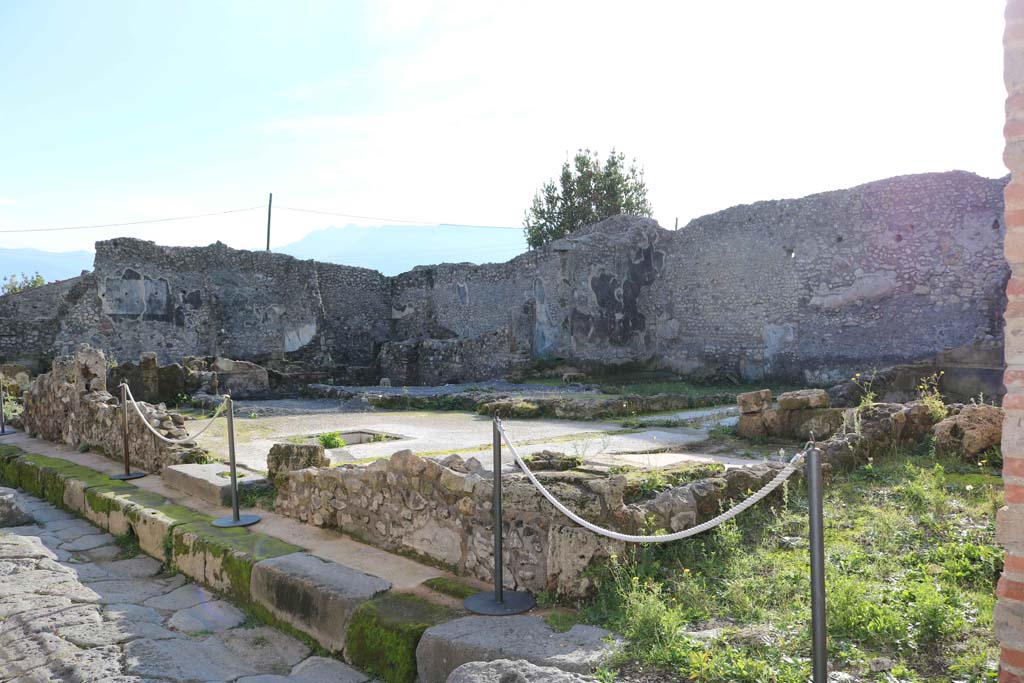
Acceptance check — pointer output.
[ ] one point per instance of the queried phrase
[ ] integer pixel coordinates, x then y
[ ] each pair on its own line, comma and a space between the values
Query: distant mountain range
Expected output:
394, 249
51, 265
391, 249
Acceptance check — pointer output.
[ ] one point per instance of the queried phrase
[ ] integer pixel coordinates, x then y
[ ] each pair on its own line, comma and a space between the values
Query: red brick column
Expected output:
1009, 613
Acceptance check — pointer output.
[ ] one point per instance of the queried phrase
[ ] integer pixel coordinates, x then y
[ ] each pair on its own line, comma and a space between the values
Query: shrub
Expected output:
331, 440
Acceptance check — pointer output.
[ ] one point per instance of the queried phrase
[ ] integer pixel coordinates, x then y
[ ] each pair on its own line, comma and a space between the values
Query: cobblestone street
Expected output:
76, 607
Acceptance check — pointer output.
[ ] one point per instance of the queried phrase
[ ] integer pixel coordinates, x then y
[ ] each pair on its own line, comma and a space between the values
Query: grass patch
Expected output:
911, 565
451, 587
262, 497
127, 546
643, 484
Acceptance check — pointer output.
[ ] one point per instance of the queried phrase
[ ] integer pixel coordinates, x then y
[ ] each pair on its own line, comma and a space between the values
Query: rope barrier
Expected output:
782, 476
191, 439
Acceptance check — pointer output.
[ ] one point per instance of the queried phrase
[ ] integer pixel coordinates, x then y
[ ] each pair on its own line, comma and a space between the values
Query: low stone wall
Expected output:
798, 415
71, 404
442, 512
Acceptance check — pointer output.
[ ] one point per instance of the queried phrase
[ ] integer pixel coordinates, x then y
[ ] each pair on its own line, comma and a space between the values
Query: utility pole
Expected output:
270, 206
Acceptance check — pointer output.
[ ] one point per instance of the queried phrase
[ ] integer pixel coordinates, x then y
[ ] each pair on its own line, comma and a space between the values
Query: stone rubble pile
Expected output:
71, 405
799, 414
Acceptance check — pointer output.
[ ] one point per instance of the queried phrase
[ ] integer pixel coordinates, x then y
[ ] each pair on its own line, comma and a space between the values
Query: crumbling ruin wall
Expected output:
805, 290
442, 511
71, 405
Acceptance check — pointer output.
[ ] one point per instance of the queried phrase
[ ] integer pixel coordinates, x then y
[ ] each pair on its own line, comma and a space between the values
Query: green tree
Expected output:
19, 283
587, 191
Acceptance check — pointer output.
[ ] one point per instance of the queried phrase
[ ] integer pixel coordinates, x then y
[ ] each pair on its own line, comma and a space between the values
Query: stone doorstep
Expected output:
209, 482
313, 595
445, 647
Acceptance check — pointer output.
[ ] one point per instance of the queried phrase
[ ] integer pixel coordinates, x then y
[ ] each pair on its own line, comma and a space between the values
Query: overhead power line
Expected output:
253, 208
118, 225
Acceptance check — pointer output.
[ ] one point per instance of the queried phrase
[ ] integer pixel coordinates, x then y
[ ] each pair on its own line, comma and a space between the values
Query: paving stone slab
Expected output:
104, 553
445, 647
324, 669
13, 605
184, 597
133, 613
265, 648
185, 660
87, 542
312, 594
113, 633
209, 617
521, 671
134, 590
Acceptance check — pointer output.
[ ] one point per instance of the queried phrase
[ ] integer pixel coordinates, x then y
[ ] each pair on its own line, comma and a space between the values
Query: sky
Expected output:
457, 112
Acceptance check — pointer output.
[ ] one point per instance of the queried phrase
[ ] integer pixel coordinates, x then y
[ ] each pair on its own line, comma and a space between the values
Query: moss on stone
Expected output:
103, 499
451, 587
383, 634
238, 549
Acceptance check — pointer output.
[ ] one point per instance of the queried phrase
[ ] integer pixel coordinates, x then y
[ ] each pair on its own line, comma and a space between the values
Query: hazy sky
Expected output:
457, 112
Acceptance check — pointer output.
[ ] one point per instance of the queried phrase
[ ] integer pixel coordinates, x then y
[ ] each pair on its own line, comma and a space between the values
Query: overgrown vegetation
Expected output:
911, 569
20, 283
331, 440
643, 484
262, 497
928, 392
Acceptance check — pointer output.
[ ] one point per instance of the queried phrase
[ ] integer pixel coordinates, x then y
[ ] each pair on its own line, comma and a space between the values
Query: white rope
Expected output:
782, 476
190, 440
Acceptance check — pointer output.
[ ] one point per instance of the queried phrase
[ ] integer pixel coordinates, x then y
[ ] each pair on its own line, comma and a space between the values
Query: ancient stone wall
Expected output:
806, 290
71, 405
443, 512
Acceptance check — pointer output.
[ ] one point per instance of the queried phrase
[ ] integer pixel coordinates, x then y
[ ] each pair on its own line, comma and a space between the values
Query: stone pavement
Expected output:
73, 609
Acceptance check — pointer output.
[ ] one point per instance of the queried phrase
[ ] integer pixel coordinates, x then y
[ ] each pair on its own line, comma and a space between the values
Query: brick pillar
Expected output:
1009, 612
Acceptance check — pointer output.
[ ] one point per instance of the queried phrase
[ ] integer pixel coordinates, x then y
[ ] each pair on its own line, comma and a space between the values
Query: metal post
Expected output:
235, 519
270, 205
819, 640
499, 576
500, 601
3, 416
128, 474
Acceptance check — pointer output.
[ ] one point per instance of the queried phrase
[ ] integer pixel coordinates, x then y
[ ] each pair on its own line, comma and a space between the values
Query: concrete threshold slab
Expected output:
401, 572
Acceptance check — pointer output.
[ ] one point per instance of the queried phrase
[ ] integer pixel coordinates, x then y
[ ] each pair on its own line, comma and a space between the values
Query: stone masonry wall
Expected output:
804, 290
71, 405
443, 512
1009, 611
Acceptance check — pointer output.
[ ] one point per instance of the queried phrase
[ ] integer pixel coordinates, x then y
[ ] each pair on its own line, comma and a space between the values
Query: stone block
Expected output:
504, 670
313, 595
446, 647
804, 398
822, 422
223, 559
754, 401
971, 432
751, 426
11, 512
210, 482
384, 632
